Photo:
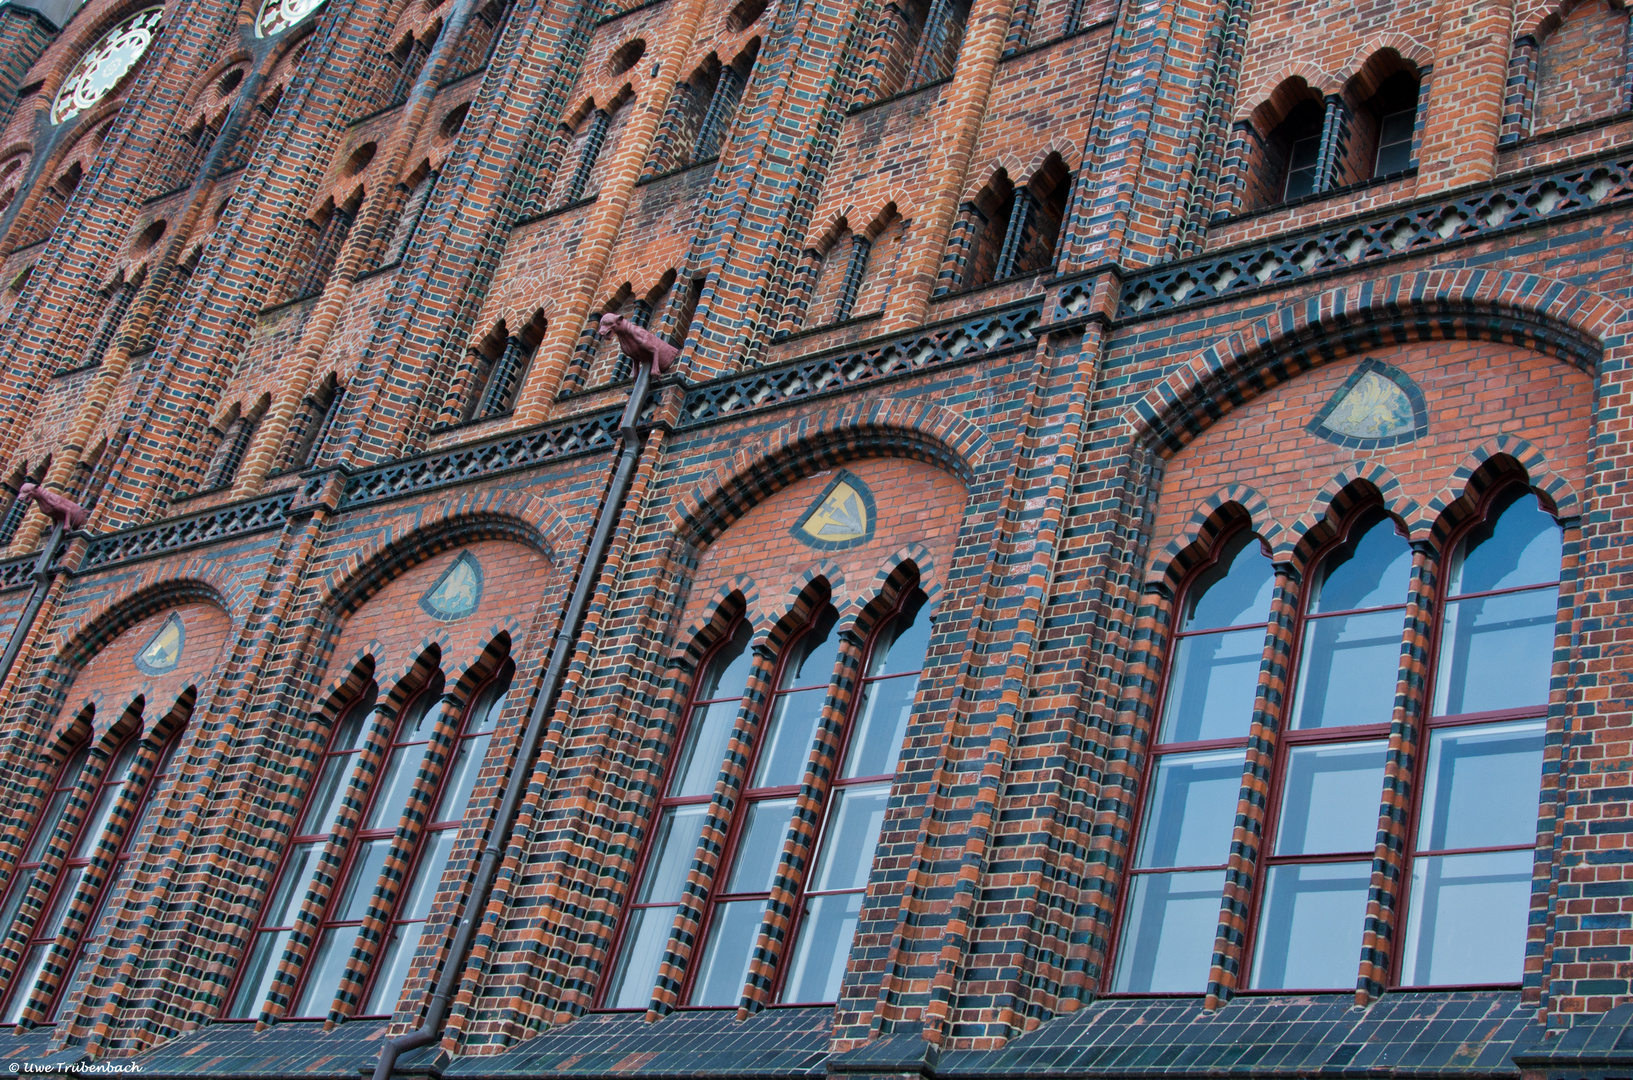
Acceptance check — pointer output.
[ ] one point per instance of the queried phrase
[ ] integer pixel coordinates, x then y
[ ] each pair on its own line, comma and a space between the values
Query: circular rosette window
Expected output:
108, 61
279, 15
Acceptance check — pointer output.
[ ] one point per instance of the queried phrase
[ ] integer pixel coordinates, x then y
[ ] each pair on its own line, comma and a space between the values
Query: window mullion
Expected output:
388, 890
1395, 804
332, 862
780, 923
1228, 970
708, 867
80, 926
41, 871
54, 864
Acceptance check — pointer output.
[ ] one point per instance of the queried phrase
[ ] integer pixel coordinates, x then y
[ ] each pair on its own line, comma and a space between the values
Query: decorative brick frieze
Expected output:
1556, 194
186, 532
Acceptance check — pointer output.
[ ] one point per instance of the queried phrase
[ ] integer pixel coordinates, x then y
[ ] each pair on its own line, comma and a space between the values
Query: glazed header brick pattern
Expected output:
1050, 451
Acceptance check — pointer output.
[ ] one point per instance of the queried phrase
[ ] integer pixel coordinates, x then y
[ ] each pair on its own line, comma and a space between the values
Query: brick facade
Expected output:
1011, 314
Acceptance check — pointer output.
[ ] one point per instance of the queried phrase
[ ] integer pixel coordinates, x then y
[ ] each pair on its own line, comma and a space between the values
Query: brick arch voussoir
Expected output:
825, 570
1067, 152
691, 643
99, 627
1181, 554
1361, 480
1011, 164
923, 560
412, 658
1541, 19
1407, 47
886, 427
489, 515
1551, 316
1438, 518
1250, 104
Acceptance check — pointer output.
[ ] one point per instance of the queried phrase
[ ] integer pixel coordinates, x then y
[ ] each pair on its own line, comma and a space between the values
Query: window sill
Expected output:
1566, 132
856, 110
379, 270
1314, 197
708, 162
1028, 50
616, 15
557, 212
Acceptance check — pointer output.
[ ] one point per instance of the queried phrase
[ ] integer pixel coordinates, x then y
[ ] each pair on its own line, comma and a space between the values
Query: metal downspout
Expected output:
561, 652
25, 622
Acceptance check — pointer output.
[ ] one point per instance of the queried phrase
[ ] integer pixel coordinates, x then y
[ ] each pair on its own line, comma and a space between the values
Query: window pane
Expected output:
293, 886
28, 973
421, 717
461, 779
1348, 670
645, 940
1480, 787
394, 965
815, 655
673, 850
728, 670
1497, 652
20, 885
113, 783
1310, 931
349, 729
327, 965
1301, 166
485, 714
707, 736
793, 726
258, 974
47, 828
365, 875
902, 646
1330, 799
724, 967
1371, 570
1212, 686
1395, 142
1168, 933
428, 875
854, 821
1518, 545
395, 785
1234, 591
759, 845
1466, 923
823, 948
1193, 809
881, 725
323, 806
51, 926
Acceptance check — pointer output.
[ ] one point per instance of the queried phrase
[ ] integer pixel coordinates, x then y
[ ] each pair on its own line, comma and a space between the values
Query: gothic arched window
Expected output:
790, 741
1466, 870
57, 897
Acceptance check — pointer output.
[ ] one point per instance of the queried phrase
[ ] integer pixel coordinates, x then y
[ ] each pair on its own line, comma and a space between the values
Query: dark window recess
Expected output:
1302, 157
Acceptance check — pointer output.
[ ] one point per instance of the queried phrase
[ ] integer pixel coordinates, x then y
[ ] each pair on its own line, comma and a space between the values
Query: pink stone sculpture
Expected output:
639, 344
65, 512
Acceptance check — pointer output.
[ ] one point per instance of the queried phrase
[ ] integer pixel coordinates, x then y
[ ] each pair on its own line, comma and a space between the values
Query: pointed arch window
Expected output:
1476, 831
427, 773
1472, 830
68, 886
1195, 774
319, 819
785, 770
366, 858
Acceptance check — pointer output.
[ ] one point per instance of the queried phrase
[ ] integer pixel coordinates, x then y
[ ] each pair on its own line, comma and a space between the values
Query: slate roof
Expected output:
1441, 1034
